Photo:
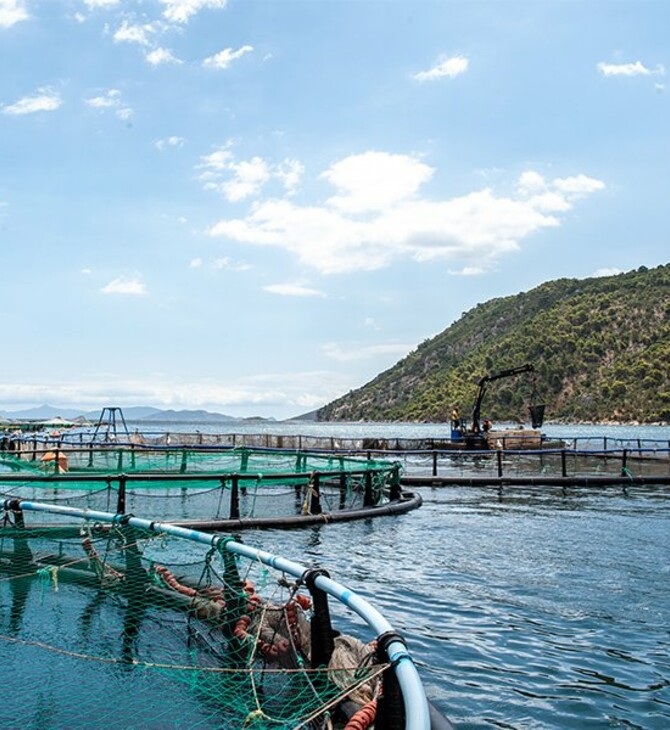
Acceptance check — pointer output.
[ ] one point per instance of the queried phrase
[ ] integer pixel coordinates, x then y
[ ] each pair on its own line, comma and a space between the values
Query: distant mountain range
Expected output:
131, 413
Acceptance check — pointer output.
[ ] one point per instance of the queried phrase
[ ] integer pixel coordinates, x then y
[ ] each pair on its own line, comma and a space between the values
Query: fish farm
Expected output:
182, 628
122, 563
208, 488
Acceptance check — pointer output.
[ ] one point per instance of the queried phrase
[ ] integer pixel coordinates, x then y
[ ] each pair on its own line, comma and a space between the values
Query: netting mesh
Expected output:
132, 459
180, 485
119, 627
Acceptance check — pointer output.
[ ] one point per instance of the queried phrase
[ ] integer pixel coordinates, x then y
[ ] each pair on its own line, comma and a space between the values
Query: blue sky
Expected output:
254, 207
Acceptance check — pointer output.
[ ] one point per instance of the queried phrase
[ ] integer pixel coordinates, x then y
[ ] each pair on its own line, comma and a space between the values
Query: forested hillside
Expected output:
600, 348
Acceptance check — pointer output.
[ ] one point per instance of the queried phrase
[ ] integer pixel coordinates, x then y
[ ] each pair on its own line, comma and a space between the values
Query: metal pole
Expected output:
234, 498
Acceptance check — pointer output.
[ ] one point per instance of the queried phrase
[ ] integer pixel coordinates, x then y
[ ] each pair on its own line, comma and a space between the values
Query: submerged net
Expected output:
123, 627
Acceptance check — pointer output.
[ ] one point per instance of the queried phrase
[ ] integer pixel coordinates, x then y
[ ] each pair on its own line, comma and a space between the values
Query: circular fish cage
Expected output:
211, 489
138, 623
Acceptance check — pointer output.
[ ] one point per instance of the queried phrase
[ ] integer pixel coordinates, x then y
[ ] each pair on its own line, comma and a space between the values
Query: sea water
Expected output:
523, 609
526, 609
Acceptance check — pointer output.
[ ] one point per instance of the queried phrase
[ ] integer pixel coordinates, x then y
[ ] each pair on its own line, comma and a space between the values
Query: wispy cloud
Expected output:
173, 141
181, 11
445, 67
468, 271
110, 99
129, 33
293, 290
12, 12
223, 59
379, 215
43, 100
128, 286
160, 56
630, 69
237, 180
92, 4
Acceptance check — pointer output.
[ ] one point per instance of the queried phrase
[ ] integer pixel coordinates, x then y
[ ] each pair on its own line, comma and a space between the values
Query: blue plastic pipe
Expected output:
416, 704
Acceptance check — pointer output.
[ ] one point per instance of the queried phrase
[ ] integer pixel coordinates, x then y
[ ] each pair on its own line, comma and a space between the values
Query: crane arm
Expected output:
482, 389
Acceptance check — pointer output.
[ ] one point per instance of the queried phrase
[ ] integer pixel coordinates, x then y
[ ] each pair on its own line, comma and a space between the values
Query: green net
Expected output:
211, 485
126, 628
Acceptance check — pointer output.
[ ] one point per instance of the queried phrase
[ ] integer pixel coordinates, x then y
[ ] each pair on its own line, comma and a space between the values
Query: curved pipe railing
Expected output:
414, 696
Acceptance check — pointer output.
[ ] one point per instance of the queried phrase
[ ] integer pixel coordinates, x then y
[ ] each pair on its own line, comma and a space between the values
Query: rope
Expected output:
184, 667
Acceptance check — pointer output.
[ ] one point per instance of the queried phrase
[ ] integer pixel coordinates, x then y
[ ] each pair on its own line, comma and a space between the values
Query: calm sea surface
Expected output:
526, 609
531, 609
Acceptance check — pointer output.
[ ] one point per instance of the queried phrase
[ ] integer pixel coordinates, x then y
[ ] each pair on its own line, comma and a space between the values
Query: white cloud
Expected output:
128, 33
472, 230
374, 180
12, 12
160, 56
111, 99
291, 393
223, 59
217, 161
468, 271
531, 182
445, 67
133, 287
578, 185
629, 69
86, 271
247, 177
196, 263
172, 141
92, 4
290, 173
181, 11
365, 352
44, 100
293, 290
